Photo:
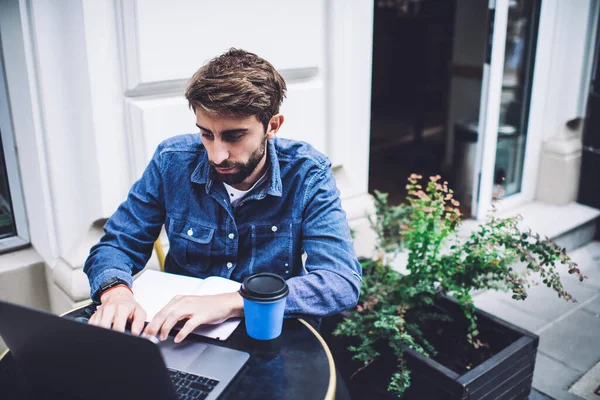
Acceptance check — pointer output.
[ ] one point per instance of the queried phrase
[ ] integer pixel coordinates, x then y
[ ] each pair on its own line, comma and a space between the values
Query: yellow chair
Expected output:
160, 254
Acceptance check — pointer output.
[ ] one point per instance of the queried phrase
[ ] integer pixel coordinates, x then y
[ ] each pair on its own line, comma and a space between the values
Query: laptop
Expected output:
68, 359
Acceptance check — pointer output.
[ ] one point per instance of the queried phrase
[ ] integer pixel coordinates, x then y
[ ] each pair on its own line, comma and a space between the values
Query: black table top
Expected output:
296, 365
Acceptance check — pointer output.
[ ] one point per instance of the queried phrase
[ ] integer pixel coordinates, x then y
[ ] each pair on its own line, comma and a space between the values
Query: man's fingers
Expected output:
139, 317
108, 315
94, 318
120, 319
154, 326
169, 323
189, 326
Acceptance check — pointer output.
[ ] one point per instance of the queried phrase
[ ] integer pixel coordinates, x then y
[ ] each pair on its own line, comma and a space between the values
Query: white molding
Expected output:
138, 158
66, 104
357, 207
538, 112
479, 148
349, 51
567, 69
71, 280
127, 28
358, 210
106, 98
177, 87
13, 175
490, 113
298, 75
12, 243
573, 38
589, 54
22, 80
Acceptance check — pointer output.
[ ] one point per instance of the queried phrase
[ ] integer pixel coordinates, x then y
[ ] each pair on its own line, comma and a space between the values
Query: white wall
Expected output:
569, 67
95, 85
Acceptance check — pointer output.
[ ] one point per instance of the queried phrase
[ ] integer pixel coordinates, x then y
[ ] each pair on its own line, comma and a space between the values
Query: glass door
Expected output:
505, 99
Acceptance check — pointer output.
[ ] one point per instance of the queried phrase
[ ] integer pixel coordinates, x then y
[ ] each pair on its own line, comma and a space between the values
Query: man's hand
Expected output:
198, 310
118, 306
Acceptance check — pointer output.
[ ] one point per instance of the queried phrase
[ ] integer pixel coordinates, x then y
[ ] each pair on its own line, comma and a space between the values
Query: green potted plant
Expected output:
423, 327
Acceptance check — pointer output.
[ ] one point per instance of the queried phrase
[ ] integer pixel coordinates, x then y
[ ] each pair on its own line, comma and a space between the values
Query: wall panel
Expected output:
164, 44
168, 41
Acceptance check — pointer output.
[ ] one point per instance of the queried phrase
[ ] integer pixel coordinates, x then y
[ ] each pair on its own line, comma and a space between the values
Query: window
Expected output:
13, 225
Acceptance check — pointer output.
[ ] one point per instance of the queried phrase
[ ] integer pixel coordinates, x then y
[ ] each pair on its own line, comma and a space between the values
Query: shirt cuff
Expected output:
106, 275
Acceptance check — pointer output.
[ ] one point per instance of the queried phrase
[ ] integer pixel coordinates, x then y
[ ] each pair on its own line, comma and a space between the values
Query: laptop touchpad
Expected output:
180, 355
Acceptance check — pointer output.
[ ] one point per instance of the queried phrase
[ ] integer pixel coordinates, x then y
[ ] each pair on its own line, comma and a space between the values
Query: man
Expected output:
234, 201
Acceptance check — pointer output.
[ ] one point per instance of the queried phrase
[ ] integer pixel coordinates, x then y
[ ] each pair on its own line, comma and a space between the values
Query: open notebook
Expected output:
154, 289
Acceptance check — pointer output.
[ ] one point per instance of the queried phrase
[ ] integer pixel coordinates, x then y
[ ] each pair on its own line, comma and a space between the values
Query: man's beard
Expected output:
244, 169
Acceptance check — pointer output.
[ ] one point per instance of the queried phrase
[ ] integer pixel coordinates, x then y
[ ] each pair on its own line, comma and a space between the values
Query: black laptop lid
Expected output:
83, 361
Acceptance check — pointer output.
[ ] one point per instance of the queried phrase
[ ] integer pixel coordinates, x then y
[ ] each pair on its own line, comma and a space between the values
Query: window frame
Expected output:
9, 148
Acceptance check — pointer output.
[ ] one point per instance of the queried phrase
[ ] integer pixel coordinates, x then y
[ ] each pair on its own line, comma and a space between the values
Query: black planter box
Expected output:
506, 375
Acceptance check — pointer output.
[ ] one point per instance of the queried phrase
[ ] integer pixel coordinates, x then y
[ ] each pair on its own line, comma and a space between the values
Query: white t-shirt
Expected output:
235, 195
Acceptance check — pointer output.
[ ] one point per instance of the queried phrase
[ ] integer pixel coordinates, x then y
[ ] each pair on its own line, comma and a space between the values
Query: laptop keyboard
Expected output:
190, 386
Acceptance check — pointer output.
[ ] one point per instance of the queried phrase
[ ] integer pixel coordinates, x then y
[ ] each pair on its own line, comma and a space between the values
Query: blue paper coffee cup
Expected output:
264, 303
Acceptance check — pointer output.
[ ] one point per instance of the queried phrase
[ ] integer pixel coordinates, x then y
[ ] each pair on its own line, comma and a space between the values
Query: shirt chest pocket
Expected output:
190, 244
272, 249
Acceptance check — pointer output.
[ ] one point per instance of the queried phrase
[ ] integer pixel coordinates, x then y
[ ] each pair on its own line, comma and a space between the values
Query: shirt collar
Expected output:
205, 175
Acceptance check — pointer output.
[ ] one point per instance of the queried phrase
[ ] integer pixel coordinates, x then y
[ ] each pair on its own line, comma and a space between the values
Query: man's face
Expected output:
236, 147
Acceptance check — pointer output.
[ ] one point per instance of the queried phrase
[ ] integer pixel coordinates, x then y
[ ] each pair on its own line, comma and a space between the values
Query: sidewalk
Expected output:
569, 332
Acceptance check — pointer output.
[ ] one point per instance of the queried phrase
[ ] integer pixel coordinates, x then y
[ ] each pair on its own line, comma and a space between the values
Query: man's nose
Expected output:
220, 152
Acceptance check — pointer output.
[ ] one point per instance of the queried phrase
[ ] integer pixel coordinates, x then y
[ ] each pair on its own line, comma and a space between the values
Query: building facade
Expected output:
91, 87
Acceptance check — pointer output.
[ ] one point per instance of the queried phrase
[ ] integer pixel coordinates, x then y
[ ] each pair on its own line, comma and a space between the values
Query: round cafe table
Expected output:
296, 365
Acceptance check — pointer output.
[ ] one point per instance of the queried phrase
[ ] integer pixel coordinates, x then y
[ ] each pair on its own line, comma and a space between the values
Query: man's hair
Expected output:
239, 84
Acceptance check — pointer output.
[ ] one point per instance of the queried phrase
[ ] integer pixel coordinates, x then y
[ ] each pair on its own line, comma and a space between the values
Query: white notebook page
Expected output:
154, 289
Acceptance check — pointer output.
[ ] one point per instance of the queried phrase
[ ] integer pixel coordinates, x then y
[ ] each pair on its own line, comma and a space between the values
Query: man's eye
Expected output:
208, 136
233, 138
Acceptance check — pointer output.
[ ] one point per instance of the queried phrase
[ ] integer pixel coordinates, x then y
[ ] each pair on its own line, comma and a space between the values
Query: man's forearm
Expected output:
322, 293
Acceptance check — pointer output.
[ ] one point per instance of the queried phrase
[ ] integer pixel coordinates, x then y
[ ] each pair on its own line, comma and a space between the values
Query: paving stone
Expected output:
578, 237
535, 395
491, 304
582, 291
593, 306
588, 259
553, 378
587, 384
574, 340
543, 302
590, 251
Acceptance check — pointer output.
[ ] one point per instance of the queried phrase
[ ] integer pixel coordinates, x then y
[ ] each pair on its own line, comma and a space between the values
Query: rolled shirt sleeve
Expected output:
130, 232
333, 273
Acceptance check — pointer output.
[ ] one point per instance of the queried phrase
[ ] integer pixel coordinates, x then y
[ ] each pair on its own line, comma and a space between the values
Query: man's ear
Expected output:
274, 125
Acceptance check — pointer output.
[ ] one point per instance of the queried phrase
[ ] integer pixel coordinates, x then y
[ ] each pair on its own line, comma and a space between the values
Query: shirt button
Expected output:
231, 236
274, 228
229, 265
190, 232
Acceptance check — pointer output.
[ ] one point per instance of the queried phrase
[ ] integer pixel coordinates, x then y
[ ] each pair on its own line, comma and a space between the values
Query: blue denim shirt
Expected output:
297, 210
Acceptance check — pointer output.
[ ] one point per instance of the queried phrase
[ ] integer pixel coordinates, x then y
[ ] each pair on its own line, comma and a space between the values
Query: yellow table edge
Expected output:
330, 395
